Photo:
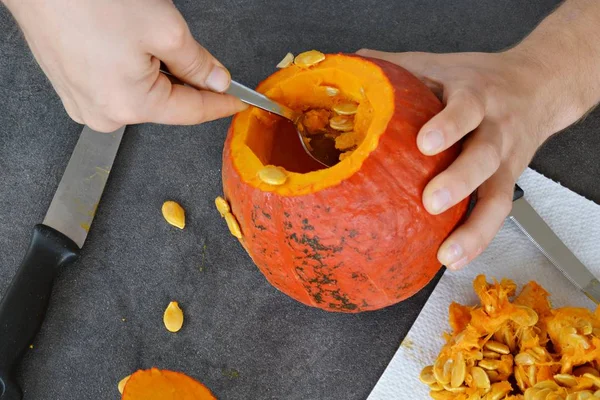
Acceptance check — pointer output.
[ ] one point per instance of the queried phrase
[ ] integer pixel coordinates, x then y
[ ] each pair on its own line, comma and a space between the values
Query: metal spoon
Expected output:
324, 151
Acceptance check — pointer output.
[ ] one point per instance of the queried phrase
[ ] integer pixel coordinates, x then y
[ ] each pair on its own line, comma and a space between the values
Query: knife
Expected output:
534, 227
54, 244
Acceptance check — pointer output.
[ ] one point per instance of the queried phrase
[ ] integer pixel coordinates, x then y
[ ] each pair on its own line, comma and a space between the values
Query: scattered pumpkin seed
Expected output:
427, 376
233, 225
287, 61
480, 378
222, 206
272, 175
309, 58
497, 347
173, 317
174, 214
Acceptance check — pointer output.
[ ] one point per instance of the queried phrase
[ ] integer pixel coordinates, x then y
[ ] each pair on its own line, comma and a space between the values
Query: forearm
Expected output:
566, 49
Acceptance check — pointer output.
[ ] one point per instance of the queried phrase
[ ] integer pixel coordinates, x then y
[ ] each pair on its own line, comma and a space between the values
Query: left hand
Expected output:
500, 104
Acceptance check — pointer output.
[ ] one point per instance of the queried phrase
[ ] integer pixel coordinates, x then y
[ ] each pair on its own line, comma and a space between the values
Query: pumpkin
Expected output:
517, 347
355, 236
155, 384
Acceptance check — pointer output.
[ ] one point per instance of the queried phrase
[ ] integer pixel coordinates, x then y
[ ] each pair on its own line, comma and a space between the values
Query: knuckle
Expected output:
490, 156
101, 125
174, 35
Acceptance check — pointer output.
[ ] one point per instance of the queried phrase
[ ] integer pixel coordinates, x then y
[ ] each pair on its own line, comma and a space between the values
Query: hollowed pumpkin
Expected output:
355, 236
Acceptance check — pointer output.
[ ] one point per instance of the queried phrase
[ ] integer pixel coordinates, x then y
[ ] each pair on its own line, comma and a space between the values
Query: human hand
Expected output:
505, 108
103, 59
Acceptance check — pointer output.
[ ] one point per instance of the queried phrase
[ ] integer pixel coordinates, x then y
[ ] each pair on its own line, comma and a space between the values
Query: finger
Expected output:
188, 60
463, 113
182, 105
480, 158
470, 239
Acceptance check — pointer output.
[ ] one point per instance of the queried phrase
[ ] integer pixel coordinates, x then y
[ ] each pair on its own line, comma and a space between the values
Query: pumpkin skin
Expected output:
353, 237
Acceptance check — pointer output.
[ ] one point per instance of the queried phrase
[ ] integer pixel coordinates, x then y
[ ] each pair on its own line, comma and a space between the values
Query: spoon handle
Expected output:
256, 99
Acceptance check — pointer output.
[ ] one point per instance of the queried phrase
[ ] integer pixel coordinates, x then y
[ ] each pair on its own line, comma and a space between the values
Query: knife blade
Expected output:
534, 227
54, 244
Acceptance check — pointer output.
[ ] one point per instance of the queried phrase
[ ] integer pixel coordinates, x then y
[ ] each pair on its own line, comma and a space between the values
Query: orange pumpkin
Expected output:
355, 236
155, 384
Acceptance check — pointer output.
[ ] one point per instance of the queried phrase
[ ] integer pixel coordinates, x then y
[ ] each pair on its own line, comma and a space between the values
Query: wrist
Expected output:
559, 93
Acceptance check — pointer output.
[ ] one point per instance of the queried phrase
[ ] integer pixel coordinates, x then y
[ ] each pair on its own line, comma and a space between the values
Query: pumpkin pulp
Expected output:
263, 139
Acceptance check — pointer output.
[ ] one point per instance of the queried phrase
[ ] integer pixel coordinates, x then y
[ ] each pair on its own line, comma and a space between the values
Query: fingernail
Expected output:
440, 199
451, 254
432, 141
459, 264
218, 79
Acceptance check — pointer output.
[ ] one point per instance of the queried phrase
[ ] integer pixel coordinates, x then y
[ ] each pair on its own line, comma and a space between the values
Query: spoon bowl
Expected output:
323, 150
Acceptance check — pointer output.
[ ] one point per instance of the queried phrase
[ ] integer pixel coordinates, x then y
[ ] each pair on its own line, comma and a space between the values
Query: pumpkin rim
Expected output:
378, 91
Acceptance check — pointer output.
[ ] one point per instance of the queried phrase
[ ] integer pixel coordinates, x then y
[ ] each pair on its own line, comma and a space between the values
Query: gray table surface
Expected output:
242, 338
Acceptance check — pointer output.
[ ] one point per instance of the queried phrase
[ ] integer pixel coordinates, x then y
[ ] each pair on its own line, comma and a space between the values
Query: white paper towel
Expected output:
573, 218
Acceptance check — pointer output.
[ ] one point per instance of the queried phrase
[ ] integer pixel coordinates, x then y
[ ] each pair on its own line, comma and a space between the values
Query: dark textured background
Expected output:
242, 338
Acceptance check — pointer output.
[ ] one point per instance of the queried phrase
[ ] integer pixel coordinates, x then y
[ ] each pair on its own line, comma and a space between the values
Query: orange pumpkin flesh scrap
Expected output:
355, 236
155, 384
527, 349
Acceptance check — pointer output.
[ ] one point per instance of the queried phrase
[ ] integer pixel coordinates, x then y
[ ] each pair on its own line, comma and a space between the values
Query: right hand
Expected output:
103, 60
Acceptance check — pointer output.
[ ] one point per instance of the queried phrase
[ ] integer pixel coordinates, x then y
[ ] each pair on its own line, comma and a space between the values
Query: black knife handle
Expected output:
518, 193
24, 305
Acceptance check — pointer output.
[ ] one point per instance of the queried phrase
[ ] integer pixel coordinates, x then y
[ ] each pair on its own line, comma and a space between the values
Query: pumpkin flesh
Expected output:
355, 236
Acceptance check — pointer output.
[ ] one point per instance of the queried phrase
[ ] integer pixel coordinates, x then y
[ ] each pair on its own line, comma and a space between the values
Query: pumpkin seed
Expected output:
584, 395
497, 347
427, 376
438, 370
272, 175
459, 371
459, 389
481, 380
579, 341
346, 108
490, 365
341, 123
332, 91
494, 375
529, 319
549, 384
233, 225
498, 391
222, 206
531, 374
595, 379
122, 383
492, 355
174, 214
566, 380
541, 394
173, 317
287, 61
524, 359
309, 58
597, 393
436, 387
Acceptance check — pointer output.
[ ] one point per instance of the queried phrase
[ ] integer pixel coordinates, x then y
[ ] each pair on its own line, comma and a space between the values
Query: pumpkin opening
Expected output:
262, 139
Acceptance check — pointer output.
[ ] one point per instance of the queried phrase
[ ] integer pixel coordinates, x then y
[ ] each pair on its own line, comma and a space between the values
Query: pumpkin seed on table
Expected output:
222, 206
272, 175
309, 58
233, 225
286, 61
174, 214
173, 317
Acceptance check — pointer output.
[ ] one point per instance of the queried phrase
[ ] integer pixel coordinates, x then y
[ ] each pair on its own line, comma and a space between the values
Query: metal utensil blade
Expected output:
73, 207
528, 221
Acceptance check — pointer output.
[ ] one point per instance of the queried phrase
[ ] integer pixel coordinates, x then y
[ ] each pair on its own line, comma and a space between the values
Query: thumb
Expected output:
193, 64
